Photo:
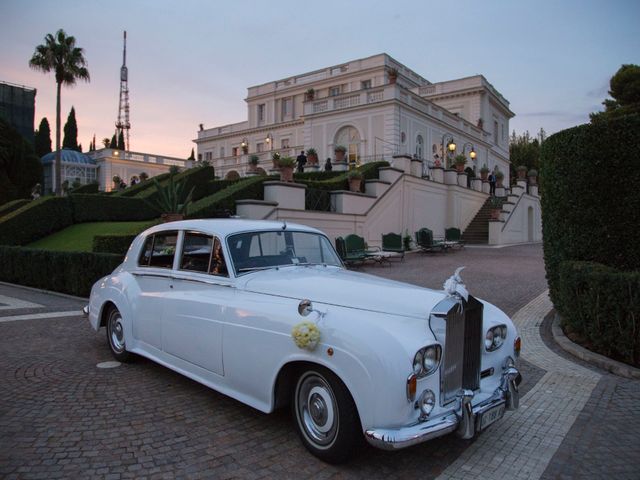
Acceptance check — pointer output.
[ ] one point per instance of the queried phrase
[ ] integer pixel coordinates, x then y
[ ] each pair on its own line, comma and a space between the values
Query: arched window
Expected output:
349, 138
419, 147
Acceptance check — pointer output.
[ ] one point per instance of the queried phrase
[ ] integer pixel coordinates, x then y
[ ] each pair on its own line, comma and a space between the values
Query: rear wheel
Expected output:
115, 336
325, 415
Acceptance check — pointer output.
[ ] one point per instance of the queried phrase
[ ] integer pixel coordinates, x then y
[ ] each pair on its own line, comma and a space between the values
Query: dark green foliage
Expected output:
315, 175
625, 91
112, 243
195, 178
42, 138
121, 141
525, 150
214, 186
68, 272
12, 206
250, 188
114, 142
171, 197
192, 156
589, 179
340, 181
104, 208
135, 190
88, 188
70, 140
602, 305
35, 220
20, 168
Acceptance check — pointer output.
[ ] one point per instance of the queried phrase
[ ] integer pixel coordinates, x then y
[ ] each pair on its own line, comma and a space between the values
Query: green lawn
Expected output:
79, 238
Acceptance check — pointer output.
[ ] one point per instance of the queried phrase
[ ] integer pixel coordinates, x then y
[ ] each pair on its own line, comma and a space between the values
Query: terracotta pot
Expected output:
312, 159
522, 174
339, 155
392, 79
286, 174
533, 180
495, 214
355, 184
275, 164
484, 175
460, 168
499, 183
171, 217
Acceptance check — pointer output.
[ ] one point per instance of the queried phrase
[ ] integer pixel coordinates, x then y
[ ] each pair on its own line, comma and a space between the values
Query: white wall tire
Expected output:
116, 337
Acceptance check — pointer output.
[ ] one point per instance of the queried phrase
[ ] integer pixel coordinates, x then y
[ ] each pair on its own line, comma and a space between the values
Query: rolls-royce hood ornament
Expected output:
454, 286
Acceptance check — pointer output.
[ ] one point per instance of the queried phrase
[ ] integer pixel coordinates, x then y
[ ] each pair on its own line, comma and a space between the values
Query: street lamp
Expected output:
245, 145
472, 153
269, 141
449, 146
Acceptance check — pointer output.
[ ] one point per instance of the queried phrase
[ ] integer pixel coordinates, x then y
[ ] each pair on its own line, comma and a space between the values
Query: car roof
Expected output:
228, 226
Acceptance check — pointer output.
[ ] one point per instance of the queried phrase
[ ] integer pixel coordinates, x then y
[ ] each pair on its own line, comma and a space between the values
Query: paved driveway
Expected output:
63, 417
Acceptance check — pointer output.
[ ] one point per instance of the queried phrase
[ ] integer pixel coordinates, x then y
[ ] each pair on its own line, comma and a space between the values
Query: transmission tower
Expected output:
123, 125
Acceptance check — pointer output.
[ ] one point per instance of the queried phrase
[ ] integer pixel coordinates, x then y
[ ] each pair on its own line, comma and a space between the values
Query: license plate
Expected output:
490, 416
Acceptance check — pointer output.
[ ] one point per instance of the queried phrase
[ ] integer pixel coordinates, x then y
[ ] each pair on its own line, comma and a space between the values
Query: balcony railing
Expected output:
138, 157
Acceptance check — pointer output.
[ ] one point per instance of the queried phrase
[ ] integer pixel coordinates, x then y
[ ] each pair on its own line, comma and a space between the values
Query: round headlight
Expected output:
426, 402
431, 358
495, 337
488, 340
417, 363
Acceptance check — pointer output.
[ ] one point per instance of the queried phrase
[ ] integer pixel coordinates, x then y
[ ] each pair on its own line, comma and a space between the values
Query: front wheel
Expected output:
115, 336
325, 416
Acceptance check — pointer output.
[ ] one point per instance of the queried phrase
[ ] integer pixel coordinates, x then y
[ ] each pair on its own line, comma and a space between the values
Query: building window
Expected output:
350, 138
284, 143
365, 84
207, 156
334, 91
495, 132
261, 112
234, 151
221, 152
259, 147
287, 104
199, 157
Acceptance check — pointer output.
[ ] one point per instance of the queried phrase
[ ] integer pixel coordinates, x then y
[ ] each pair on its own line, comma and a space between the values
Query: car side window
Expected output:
217, 265
196, 252
159, 250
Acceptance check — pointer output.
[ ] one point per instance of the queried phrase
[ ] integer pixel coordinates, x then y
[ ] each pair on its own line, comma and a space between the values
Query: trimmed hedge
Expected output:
603, 307
226, 199
12, 206
140, 187
101, 208
68, 272
319, 176
214, 186
35, 220
340, 182
590, 196
88, 188
112, 243
197, 178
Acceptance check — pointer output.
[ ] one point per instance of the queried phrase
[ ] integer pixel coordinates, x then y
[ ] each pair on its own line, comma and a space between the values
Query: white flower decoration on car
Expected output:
306, 335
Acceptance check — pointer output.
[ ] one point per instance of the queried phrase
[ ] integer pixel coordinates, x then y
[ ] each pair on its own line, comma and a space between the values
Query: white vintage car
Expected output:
266, 313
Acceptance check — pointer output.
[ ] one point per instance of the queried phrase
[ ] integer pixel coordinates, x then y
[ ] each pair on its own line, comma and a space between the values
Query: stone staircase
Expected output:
478, 230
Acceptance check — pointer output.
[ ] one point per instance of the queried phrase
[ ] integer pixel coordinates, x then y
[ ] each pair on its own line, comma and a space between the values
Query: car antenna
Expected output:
284, 225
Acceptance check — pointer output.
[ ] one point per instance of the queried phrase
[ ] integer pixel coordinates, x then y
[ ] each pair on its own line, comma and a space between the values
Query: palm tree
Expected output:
60, 54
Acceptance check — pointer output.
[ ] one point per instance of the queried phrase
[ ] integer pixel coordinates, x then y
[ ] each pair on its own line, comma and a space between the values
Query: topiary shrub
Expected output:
602, 307
589, 180
140, 187
68, 272
112, 243
88, 188
12, 206
35, 220
225, 200
105, 208
232, 175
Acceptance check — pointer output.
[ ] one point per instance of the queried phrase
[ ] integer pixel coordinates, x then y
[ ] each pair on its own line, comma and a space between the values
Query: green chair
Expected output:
348, 257
392, 242
426, 243
453, 237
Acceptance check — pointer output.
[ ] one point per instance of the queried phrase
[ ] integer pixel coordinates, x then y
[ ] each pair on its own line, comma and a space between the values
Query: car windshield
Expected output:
268, 249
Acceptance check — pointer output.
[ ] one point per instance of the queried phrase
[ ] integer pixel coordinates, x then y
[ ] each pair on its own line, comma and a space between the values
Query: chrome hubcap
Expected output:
316, 409
116, 333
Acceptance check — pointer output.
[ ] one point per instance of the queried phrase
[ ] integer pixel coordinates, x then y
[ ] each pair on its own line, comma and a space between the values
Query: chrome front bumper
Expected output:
463, 419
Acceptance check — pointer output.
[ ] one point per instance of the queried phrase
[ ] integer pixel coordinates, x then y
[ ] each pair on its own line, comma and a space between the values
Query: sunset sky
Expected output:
191, 61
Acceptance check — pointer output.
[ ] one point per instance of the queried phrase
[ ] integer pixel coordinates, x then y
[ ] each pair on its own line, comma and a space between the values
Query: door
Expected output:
192, 323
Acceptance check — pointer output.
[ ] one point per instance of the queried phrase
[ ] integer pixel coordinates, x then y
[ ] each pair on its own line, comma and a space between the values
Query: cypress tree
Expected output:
71, 131
42, 141
192, 156
114, 142
120, 141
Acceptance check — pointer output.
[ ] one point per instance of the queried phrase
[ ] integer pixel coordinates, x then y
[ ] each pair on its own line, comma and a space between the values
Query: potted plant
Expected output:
355, 180
144, 176
253, 163
460, 161
312, 156
496, 207
522, 172
484, 172
339, 152
309, 95
171, 201
533, 176
286, 165
275, 158
406, 240
116, 181
393, 75
499, 179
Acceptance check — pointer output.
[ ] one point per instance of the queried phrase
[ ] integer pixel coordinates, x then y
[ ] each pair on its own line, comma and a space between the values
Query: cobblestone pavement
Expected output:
62, 417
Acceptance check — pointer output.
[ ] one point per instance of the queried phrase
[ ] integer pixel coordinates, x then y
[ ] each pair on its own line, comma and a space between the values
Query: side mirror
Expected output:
305, 307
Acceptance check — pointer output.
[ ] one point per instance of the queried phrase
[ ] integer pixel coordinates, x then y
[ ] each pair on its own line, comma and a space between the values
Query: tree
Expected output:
70, 140
60, 55
106, 142
114, 142
20, 167
625, 91
193, 155
120, 140
525, 150
42, 138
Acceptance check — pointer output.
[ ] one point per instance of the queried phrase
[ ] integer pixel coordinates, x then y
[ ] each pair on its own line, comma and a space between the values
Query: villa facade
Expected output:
375, 107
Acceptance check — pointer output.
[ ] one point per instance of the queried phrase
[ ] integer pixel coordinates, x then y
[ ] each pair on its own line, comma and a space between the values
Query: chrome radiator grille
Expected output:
462, 351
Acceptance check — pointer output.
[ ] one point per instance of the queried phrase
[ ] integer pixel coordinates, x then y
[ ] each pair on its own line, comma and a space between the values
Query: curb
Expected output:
600, 361
46, 292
